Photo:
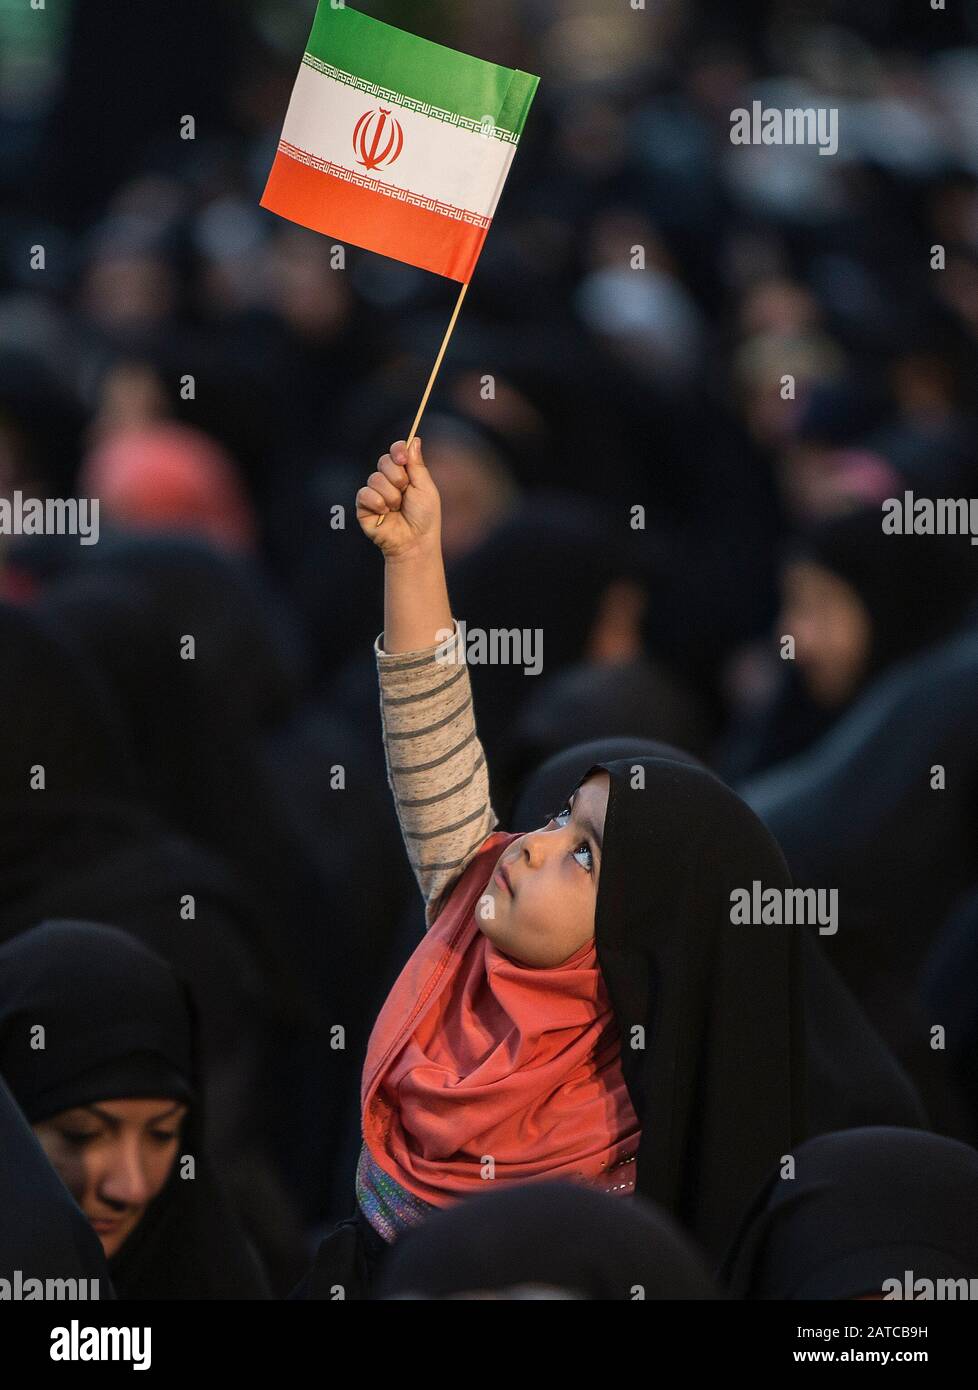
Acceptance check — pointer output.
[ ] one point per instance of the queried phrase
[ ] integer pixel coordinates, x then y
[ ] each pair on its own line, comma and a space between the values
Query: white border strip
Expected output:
484, 127
438, 163
400, 195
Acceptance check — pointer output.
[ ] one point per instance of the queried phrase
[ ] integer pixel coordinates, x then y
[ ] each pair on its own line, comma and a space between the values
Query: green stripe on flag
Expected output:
519, 97
419, 69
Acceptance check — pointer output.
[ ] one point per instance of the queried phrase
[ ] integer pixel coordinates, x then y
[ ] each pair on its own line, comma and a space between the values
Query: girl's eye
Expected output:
162, 1136
583, 847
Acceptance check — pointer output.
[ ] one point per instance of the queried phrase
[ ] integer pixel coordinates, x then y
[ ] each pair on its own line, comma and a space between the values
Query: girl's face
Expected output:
539, 905
114, 1157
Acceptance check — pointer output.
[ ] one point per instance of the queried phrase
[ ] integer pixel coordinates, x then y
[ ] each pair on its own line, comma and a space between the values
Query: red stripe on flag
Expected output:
386, 225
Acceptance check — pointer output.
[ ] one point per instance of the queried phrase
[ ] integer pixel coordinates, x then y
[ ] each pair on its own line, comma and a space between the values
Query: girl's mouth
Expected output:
503, 877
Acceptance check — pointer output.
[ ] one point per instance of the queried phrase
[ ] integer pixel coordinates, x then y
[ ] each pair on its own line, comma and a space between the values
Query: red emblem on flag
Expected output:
378, 139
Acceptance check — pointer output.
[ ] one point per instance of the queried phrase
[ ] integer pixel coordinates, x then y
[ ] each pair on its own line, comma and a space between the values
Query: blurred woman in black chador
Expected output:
113, 1096
228, 758
574, 545
87, 845
885, 809
856, 601
195, 712
949, 989
77, 840
861, 1211
550, 1237
43, 1234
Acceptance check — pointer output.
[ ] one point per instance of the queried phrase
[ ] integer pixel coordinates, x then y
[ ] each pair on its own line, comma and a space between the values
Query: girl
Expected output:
581, 1006
112, 1097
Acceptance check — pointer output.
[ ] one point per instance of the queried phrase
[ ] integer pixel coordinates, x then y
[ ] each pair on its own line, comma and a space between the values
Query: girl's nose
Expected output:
534, 848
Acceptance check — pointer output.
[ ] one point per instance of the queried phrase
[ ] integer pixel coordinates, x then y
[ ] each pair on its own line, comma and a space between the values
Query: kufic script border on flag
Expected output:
423, 108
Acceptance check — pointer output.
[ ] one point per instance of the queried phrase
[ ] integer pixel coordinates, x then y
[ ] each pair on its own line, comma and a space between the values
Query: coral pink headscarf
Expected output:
474, 1055
169, 476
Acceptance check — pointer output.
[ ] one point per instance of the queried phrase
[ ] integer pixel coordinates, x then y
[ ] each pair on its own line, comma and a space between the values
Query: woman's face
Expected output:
831, 628
114, 1157
539, 905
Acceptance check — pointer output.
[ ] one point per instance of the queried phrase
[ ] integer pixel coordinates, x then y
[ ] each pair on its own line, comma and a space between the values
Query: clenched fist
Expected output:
403, 493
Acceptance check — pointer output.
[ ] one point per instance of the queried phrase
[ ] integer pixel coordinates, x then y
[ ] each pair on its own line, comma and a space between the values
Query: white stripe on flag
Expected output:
437, 160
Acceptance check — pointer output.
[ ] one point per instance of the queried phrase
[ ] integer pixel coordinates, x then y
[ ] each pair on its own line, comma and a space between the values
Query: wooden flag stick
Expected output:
434, 372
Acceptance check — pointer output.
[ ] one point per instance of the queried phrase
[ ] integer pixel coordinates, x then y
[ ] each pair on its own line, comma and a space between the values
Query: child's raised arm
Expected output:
436, 766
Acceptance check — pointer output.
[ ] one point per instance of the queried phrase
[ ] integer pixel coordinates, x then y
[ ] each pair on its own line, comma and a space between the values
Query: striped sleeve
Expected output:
436, 766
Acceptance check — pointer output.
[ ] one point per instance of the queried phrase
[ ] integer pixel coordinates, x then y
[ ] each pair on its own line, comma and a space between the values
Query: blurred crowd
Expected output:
686, 377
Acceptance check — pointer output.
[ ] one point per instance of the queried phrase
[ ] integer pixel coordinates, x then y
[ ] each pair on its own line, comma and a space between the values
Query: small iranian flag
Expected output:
396, 144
